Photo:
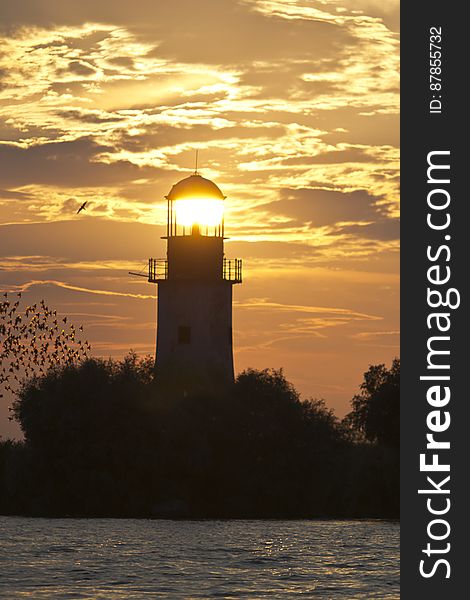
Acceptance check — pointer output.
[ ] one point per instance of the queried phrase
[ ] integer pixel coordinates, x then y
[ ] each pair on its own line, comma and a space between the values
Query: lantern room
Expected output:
195, 207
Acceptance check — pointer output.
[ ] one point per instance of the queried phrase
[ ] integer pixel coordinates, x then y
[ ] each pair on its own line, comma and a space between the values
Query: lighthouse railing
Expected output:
232, 270
158, 269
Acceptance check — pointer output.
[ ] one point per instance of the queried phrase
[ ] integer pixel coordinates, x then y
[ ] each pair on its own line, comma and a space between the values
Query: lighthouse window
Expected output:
184, 334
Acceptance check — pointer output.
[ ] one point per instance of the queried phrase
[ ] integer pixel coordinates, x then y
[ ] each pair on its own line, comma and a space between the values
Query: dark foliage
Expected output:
103, 438
376, 410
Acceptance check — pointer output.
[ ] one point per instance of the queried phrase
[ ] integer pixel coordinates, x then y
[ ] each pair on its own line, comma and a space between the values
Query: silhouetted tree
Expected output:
106, 438
373, 427
376, 410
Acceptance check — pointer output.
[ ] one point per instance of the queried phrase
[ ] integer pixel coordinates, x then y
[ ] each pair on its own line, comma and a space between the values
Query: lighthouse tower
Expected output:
194, 310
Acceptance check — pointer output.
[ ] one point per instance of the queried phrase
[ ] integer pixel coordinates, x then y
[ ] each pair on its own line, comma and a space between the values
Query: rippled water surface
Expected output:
115, 559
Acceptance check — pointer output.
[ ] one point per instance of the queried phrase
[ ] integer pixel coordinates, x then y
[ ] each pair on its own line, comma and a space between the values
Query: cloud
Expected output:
331, 157
79, 68
185, 31
321, 208
367, 335
14, 195
355, 213
61, 284
383, 229
92, 116
70, 164
323, 312
84, 240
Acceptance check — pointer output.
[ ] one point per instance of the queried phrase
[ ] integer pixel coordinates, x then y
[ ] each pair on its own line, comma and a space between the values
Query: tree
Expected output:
376, 410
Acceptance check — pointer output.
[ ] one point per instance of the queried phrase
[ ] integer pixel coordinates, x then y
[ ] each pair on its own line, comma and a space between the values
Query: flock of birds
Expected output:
33, 340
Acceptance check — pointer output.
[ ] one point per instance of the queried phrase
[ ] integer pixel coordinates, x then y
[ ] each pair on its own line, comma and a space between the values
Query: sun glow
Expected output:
199, 211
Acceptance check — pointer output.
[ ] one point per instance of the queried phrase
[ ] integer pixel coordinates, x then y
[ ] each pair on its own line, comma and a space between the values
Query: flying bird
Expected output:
82, 207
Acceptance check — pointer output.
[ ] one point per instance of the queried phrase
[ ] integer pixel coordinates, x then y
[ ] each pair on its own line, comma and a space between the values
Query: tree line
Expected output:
106, 438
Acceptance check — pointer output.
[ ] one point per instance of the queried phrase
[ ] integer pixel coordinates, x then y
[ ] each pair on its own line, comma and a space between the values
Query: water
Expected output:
139, 559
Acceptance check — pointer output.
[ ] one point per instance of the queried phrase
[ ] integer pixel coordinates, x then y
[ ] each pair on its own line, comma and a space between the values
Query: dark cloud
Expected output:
89, 116
164, 135
79, 68
274, 80
209, 31
9, 132
383, 229
75, 88
65, 164
122, 61
3, 76
320, 207
14, 195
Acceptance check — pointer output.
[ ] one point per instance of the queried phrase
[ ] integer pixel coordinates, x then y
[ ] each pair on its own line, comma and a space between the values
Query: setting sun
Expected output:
199, 211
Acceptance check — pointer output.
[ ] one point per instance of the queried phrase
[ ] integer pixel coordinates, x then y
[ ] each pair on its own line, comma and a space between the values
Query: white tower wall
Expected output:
194, 330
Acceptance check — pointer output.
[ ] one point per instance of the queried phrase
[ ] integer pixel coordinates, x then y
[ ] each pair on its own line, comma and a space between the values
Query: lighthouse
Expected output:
194, 300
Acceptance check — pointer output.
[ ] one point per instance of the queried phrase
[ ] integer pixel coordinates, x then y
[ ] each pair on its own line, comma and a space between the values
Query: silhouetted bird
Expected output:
82, 207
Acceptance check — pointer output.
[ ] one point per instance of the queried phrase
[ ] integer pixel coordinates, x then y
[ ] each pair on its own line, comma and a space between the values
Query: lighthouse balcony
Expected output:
158, 269
231, 270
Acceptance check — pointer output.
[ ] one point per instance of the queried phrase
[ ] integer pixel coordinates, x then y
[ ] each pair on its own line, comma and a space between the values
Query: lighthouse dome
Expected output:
195, 186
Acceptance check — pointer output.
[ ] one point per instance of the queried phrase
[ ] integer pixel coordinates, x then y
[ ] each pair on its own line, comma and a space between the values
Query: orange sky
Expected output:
294, 108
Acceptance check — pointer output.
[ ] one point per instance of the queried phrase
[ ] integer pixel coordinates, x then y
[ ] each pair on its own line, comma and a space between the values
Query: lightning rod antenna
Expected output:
195, 170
